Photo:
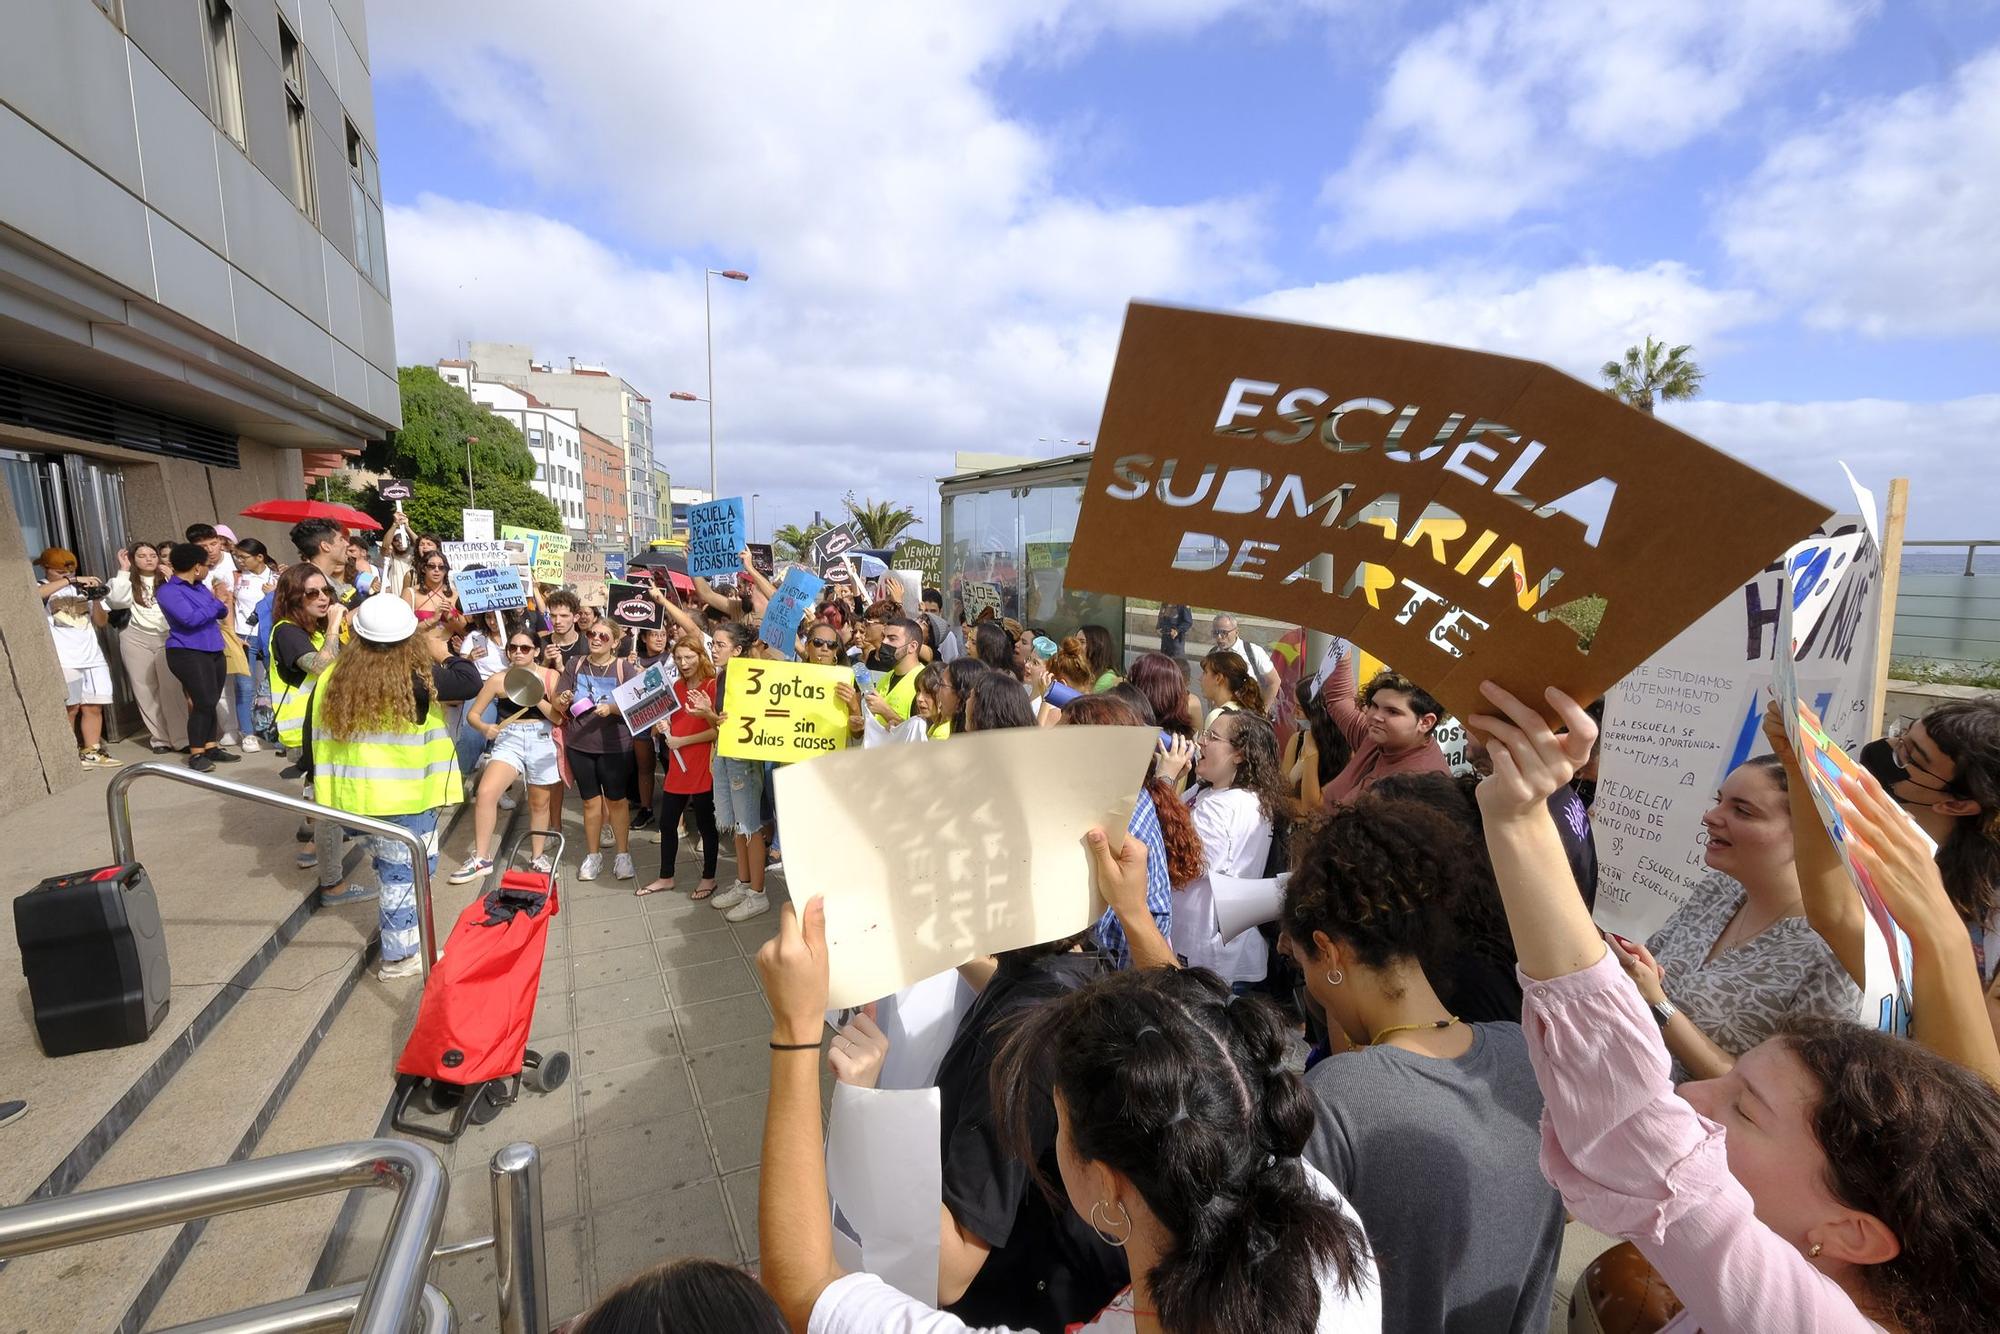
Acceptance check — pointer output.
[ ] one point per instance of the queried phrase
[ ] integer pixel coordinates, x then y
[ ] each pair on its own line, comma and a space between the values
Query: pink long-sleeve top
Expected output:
1634, 1160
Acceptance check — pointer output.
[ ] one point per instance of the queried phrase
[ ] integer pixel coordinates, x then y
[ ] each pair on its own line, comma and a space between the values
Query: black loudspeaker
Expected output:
96, 958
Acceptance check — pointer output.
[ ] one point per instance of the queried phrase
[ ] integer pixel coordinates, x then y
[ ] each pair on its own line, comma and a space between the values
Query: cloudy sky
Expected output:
946, 206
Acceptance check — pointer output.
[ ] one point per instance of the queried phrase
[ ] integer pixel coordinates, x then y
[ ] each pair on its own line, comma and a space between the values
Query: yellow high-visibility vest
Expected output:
402, 770
290, 701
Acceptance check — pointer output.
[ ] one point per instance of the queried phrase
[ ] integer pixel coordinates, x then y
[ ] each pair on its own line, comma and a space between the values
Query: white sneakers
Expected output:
474, 868
621, 866
407, 966
251, 745
740, 903
604, 837
591, 866
507, 802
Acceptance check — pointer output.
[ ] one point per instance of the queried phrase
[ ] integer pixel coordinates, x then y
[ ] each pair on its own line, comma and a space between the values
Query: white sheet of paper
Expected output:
885, 1175
920, 1022
928, 856
1243, 904
1864, 498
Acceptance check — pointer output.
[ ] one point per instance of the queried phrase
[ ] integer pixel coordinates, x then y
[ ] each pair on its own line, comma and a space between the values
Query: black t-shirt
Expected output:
1046, 1269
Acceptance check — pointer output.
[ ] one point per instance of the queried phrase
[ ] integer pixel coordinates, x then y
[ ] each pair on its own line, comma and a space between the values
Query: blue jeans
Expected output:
245, 699
395, 872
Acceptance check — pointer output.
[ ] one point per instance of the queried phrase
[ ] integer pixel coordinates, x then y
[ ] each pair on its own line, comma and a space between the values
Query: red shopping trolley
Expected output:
468, 1056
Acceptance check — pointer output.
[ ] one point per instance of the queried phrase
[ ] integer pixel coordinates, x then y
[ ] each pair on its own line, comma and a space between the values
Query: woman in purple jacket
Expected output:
194, 648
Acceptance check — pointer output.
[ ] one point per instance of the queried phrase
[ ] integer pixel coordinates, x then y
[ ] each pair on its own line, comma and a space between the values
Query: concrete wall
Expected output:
162, 498
37, 748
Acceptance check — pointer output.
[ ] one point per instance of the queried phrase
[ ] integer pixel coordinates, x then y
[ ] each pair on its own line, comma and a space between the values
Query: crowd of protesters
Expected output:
1375, 1112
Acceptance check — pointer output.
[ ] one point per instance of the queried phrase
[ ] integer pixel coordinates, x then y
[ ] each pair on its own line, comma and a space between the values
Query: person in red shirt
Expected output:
1390, 729
687, 782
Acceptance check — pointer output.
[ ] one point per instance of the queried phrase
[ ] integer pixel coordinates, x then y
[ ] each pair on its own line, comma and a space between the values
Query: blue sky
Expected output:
946, 207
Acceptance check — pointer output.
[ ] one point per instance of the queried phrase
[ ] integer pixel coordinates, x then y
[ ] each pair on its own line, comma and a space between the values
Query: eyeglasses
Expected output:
824, 643
321, 591
520, 648
600, 639
434, 565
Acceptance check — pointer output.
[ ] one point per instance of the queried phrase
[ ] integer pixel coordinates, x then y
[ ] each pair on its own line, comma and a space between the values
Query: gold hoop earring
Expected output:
1335, 978
1099, 1228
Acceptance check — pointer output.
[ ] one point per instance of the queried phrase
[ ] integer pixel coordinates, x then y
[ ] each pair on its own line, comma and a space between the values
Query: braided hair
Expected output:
1181, 1087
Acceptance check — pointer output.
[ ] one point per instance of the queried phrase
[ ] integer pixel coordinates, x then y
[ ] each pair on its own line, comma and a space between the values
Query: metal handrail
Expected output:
119, 808
394, 1290
328, 1311
1971, 548
520, 1256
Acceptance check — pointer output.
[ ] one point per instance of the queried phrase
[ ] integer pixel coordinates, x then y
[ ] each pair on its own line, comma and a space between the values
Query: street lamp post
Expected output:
754, 497
470, 502
708, 321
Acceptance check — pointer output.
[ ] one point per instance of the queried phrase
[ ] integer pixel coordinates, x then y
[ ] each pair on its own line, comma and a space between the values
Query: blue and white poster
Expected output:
494, 588
716, 537
795, 597
614, 565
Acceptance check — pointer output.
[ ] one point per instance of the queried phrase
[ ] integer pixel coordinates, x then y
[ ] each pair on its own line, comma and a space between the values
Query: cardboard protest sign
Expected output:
1047, 555
546, 551
649, 697
927, 558
462, 554
978, 597
489, 588
716, 534
789, 606
390, 489
953, 851
614, 565
761, 559
1681, 721
782, 711
1431, 504
633, 606
476, 525
1812, 570
584, 572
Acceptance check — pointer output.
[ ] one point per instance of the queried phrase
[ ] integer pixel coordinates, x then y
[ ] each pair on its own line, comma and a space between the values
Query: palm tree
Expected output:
791, 541
1654, 371
880, 521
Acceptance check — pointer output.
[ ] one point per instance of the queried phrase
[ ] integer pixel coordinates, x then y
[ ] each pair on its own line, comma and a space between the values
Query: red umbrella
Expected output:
295, 511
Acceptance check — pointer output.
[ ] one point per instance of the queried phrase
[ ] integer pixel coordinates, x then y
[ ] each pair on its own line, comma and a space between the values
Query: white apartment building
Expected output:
554, 436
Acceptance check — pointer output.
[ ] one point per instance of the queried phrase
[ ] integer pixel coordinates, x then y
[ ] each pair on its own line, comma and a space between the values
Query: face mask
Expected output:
883, 659
1878, 757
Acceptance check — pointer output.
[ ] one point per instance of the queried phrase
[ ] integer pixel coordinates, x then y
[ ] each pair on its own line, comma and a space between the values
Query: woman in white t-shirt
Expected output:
1238, 800
1178, 1134
75, 606
253, 577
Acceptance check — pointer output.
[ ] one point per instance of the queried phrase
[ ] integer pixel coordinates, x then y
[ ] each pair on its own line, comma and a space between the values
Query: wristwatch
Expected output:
1664, 1011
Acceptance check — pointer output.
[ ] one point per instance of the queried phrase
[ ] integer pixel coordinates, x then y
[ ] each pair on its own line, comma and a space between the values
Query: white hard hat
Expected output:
385, 620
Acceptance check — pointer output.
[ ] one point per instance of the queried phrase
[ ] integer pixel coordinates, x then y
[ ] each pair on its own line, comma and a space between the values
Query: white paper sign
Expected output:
477, 525
954, 851
885, 1175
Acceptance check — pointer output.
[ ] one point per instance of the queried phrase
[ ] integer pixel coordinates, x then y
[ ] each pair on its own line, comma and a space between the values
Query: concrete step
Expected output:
214, 1110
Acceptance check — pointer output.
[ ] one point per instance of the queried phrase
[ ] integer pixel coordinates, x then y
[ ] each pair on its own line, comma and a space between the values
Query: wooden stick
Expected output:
1892, 578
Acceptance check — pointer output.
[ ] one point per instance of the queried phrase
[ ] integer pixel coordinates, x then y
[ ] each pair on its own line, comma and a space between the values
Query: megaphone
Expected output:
524, 690
1243, 904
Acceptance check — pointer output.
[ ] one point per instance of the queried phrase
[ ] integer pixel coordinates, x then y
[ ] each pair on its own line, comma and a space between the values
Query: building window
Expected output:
534, 440
225, 83
298, 134
364, 191
538, 472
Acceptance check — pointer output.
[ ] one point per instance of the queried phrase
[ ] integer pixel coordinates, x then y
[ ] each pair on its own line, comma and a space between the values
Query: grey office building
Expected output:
194, 296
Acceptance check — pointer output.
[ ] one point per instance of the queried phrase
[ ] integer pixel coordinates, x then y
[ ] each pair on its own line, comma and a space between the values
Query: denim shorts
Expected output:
529, 750
739, 795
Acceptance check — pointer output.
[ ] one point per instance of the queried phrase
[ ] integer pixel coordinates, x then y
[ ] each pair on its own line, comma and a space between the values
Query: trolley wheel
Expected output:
440, 1098
489, 1101
545, 1074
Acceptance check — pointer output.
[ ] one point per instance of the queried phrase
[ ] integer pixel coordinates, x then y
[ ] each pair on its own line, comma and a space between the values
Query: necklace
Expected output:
1429, 1026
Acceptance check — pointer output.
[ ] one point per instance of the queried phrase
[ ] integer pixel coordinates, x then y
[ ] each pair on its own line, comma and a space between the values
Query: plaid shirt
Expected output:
1144, 826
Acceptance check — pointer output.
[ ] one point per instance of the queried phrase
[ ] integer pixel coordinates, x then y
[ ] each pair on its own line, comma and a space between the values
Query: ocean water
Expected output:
1948, 561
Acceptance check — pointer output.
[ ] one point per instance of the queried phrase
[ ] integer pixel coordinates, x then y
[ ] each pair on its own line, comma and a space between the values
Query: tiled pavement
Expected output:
650, 1151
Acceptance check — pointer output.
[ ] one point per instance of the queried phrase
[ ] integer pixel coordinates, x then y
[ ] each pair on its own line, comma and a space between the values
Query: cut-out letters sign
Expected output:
1433, 505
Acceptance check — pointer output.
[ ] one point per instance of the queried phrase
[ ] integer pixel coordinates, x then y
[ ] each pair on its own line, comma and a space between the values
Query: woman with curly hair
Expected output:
1159, 822
1239, 805
380, 748
1429, 1124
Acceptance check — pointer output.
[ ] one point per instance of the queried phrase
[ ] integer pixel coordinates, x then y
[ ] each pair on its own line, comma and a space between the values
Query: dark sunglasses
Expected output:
824, 643
319, 591
520, 648
601, 639
434, 565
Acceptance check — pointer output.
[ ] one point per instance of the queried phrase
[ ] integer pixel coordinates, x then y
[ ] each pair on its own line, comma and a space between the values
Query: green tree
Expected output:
1652, 372
880, 521
789, 541
430, 453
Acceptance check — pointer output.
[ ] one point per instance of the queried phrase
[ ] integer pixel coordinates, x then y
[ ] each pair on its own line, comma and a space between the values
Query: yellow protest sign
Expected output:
782, 711
547, 551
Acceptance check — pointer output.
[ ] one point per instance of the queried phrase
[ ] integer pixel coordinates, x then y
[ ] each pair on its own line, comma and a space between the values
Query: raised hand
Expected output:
793, 964
858, 1051
1530, 760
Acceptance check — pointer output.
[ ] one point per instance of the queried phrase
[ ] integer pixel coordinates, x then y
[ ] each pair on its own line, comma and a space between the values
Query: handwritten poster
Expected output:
492, 588
546, 551
782, 711
927, 558
1428, 503
649, 697
789, 606
476, 525
716, 536
761, 559
979, 596
955, 850
462, 554
583, 571
614, 566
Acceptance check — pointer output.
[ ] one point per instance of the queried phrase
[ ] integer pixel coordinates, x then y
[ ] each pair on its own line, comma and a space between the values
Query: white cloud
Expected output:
1508, 105
1945, 449
1575, 319
1887, 218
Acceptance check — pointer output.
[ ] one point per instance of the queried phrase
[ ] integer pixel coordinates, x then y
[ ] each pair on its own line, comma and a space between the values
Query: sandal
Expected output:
655, 887
700, 893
